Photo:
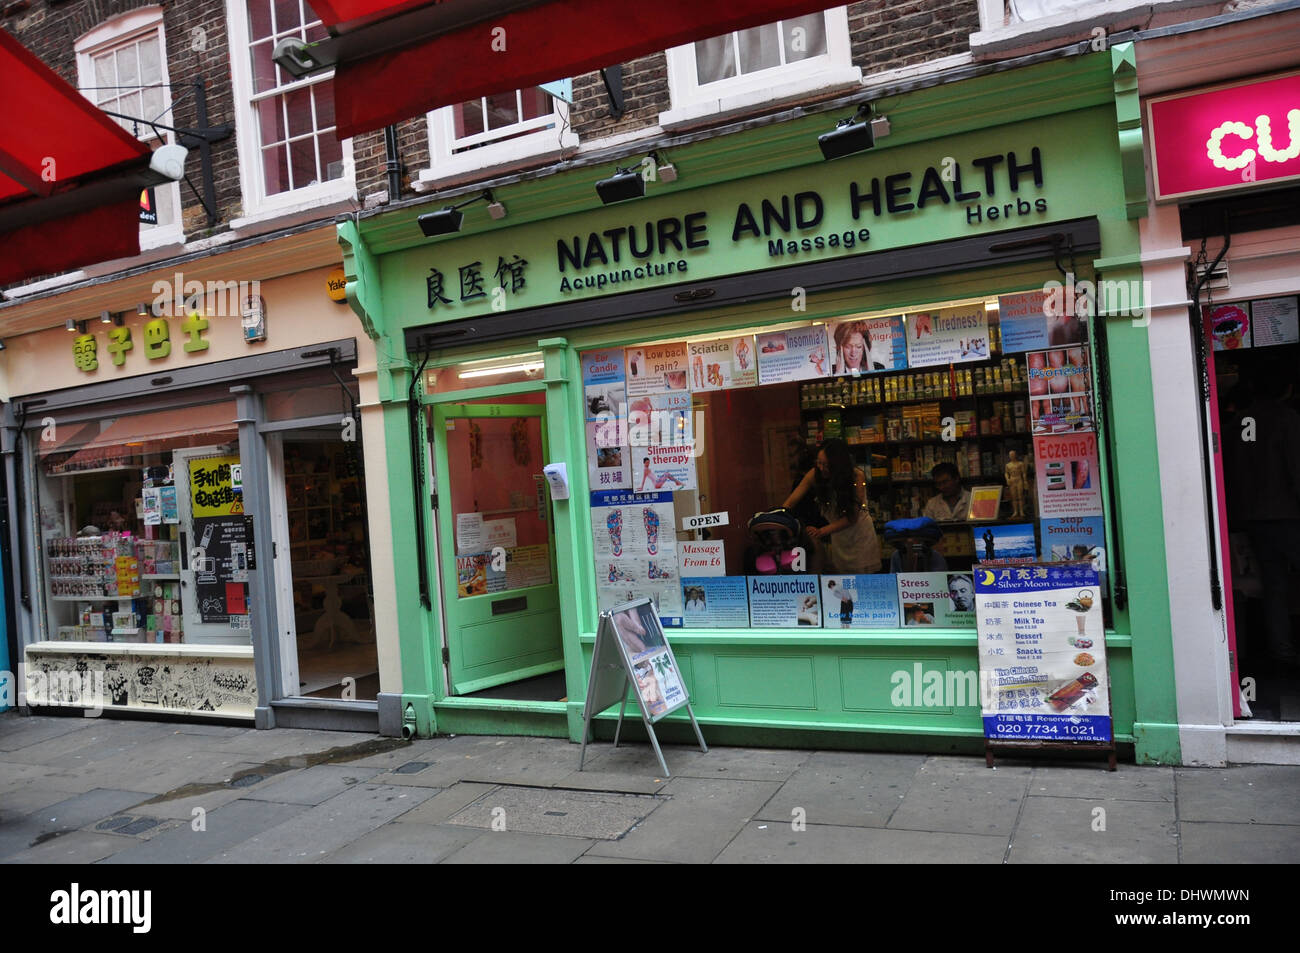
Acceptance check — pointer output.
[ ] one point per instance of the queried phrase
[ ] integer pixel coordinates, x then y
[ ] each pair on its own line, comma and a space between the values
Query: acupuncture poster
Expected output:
1042, 654
715, 602
635, 545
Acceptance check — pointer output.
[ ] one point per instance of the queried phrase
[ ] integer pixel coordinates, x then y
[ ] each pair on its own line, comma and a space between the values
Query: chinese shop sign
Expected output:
155, 344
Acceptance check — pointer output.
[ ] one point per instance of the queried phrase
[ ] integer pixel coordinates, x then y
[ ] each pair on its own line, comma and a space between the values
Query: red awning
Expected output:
70, 177
449, 60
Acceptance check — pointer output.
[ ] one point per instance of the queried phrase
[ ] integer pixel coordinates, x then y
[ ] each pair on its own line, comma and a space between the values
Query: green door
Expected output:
496, 542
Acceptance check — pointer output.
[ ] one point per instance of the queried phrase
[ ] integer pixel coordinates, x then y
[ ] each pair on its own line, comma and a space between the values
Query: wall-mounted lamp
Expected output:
2, 345
105, 317
449, 219
142, 309
848, 137
70, 325
624, 184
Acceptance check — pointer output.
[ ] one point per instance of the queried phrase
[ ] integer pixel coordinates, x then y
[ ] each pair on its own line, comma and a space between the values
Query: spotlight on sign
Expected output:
622, 185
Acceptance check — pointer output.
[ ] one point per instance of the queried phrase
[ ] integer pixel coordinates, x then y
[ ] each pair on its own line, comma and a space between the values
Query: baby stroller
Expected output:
775, 533
914, 540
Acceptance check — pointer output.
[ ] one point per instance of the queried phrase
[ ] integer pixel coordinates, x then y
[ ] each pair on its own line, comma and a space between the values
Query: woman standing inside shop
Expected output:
840, 491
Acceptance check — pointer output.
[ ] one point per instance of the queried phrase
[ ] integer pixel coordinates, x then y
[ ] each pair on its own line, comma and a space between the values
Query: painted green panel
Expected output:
754, 681
891, 685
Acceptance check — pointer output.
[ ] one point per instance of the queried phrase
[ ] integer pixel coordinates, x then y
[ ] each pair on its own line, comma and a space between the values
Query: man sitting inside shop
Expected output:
952, 501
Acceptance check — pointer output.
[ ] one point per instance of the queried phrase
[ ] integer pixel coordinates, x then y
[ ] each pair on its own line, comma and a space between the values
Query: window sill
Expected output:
165, 237
1070, 24
305, 209
490, 160
721, 107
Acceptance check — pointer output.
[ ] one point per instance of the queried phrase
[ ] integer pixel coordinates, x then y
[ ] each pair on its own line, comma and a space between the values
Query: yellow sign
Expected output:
337, 285
211, 491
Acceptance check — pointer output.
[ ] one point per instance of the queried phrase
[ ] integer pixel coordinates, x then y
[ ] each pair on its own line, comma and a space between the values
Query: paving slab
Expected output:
151, 772
1137, 832
1129, 783
515, 847
687, 761
594, 859
405, 844
74, 847
845, 788
1210, 843
962, 796
18, 732
589, 814
17, 775
539, 762
1244, 794
285, 742
67, 815
445, 803
182, 807
318, 831
764, 843
309, 785
17, 803
223, 829
696, 824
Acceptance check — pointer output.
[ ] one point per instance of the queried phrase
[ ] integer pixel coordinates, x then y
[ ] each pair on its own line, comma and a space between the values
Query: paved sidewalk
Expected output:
83, 790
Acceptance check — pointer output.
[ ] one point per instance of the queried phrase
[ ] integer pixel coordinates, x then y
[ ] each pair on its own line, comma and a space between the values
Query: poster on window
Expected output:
656, 369
723, 364
1022, 321
1074, 538
635, 549
609, 463
1009, 543
861, 345
1042, 653
944, 599
795, 355
1275, 321
211, 490
784, 601
859, 602
1067, 475
524, 566
701, 558
1229, 327
715, 602
603, 382
152, 505
948, 336
1060, 390
659, 685
661, 441
227, 558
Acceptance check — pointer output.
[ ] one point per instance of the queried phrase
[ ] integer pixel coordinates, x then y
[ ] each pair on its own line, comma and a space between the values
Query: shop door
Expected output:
496, 543
216, 545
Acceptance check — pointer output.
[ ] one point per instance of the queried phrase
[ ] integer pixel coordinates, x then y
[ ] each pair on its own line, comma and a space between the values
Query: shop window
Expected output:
749, 67
510, 127
755, 479
290, 157
122, 68
143, 536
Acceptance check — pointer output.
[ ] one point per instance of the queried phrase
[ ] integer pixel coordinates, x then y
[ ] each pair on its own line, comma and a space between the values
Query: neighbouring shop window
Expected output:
900, 452
143, 536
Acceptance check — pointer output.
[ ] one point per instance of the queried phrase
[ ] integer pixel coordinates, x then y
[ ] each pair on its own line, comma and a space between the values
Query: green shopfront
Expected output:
683, 355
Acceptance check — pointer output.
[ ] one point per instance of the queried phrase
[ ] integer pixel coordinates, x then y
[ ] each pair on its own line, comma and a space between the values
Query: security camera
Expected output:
169, 161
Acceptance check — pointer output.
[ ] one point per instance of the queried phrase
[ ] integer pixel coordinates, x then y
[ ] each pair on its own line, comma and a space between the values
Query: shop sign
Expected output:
212, 491
156, 343
336, 285
1226, 139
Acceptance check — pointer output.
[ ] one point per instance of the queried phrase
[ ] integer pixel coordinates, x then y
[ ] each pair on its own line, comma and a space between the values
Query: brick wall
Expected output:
645, 96
889, 34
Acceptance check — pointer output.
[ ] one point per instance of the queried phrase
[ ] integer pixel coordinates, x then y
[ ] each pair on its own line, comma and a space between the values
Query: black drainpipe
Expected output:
392, 165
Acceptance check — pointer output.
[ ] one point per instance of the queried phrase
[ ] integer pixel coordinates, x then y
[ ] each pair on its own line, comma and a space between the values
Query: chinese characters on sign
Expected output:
509, 277
157, 343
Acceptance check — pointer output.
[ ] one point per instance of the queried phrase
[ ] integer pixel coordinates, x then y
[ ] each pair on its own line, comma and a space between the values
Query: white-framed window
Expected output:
497, 131
289, 157
739, 70
122, 68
